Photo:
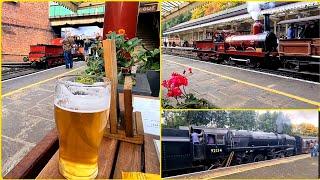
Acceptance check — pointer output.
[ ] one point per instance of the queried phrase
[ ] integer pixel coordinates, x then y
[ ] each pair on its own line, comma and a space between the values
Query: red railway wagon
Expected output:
46, 55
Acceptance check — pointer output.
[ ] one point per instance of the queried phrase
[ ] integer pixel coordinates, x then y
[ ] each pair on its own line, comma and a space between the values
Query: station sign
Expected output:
148, 8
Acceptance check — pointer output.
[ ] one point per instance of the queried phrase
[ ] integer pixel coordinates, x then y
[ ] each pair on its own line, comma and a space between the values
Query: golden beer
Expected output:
80, 131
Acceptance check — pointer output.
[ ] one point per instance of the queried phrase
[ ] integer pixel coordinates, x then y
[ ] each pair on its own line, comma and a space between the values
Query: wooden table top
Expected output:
115, 157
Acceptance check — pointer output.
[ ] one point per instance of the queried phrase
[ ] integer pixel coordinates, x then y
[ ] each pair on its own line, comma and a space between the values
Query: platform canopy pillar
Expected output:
121, 15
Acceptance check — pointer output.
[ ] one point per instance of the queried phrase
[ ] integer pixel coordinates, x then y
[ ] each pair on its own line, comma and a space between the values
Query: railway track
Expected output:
14, 70
315, 77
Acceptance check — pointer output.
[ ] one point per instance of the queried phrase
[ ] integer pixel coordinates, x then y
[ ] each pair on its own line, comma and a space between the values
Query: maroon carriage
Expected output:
303, 52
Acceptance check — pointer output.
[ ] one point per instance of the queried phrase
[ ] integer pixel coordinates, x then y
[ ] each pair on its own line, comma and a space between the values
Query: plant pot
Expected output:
154, 82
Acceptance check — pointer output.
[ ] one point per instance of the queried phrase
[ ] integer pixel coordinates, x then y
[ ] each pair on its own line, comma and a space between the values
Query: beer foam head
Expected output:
78, 97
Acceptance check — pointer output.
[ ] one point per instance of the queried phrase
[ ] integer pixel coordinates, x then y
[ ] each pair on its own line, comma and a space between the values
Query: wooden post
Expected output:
110, 66
128, 109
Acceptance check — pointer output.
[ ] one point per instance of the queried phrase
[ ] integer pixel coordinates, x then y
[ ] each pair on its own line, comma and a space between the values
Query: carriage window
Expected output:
210, 139
220, 139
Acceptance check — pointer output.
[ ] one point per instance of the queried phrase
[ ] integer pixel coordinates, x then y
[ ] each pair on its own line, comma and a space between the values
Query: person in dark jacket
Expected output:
291, 32
67, 44
87, 45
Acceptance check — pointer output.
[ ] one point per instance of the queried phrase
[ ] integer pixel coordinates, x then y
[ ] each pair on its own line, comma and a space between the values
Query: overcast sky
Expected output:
300, 116
85, 30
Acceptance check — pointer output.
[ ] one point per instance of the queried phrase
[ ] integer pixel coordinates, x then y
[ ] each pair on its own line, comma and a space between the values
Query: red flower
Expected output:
165, 83
125, 54
190, 70
178, 80
121, 31
174, 92
174, 83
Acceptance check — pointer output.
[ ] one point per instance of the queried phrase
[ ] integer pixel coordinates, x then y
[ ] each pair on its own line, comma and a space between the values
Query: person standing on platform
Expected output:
311, 146
86, 49
291, 32
67, 44
315, 149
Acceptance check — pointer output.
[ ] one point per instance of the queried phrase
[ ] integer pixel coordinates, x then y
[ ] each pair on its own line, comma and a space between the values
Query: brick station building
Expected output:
31, 23
24, 24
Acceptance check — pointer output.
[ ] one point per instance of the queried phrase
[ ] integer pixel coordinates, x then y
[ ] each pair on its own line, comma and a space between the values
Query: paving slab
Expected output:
300, 169
229, 87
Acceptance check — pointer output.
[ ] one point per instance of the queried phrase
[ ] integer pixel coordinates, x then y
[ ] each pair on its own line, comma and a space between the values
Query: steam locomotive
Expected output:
262, 49
222, 147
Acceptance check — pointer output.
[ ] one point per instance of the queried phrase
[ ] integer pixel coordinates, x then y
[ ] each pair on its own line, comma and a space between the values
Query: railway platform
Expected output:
233, 87
300, 166
27, 111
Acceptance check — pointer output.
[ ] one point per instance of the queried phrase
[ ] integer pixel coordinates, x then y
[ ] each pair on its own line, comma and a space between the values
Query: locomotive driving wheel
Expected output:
252, 63
227, 60
258, 158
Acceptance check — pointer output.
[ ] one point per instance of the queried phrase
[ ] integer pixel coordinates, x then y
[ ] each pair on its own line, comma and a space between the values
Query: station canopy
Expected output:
236, 14
79, 5
75, 6
169, 7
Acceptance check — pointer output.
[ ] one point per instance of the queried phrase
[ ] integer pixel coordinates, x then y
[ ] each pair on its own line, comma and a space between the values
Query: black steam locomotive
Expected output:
222, 147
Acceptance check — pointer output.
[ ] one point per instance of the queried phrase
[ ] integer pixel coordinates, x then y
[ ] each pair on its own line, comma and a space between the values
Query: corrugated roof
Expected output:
168, 7
236, 13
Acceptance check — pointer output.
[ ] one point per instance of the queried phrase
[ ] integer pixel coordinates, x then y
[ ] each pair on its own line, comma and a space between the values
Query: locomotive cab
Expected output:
212, 147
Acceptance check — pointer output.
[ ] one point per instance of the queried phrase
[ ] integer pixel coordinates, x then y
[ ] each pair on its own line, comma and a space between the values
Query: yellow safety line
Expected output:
254, 85
40, 82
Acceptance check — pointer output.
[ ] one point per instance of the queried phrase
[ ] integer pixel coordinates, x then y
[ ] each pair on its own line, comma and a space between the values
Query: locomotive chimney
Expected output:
266, 22
256, 27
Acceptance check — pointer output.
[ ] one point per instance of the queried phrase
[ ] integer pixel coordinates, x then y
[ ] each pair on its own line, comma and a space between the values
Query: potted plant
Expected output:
125, 48
151, 65
125, 52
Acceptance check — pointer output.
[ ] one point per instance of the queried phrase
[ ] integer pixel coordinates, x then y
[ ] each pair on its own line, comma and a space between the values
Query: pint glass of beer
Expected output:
81, 113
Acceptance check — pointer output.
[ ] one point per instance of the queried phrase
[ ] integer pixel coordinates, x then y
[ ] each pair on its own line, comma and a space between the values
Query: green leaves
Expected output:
125, 49
189, 102
150, 59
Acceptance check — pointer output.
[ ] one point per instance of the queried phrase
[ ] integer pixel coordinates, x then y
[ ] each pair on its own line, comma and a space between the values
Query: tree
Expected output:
307, 129
244, 120
218, 119
198, 12
267, 122
176, 20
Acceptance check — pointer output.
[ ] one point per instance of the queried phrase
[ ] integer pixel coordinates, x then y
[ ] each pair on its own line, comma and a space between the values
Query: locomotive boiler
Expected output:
221, 147
254, 49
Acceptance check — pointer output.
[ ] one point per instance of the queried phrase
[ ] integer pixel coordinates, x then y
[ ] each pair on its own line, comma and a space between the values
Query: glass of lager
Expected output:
81, 113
